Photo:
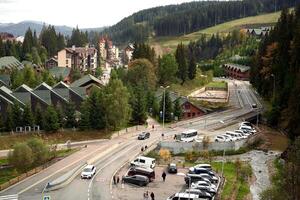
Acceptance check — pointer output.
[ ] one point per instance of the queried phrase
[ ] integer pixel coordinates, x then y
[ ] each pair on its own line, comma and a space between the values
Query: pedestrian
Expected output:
164, 176
118, 180
114, 178
152, 196
146, 147
147, 195
152, 126
142, 149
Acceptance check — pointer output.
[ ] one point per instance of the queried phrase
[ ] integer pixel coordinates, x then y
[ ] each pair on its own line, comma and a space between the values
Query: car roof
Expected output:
172, 164
146, 158
142, 169
183, 194
89, 166
203, 165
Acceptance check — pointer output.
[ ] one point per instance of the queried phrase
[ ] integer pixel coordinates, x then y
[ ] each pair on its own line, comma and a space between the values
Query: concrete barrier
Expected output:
64, 180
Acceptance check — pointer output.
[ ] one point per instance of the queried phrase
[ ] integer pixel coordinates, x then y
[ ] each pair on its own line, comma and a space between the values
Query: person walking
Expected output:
164, 176
118, 180
152, 196
114, 178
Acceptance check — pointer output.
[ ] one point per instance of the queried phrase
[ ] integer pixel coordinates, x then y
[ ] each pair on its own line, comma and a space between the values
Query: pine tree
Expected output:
51, 123
60, 115
2, 49
139, 106
39, 117
35, 56
60, 42
168, 107
96, 109
28, 119
177, 109
28, 43
16, 115
167, 69
180, 56
9, 124
84, 123
70, 115
192, 68
2, 124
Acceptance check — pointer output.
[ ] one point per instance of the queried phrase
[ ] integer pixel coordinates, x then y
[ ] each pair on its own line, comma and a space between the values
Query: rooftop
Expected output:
10, 62
242, 68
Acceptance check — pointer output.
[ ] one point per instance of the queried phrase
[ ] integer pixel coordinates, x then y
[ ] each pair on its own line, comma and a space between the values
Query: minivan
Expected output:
185, 196
148, 172
143, 161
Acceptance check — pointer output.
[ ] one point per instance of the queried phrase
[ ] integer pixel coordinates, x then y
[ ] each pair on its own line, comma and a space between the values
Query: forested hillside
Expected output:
276, 73
188, 17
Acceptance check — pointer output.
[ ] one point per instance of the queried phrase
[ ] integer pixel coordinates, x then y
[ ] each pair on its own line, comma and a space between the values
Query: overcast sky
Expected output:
84, 13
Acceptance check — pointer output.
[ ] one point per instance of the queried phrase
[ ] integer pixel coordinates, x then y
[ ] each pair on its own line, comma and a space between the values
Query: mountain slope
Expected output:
167, 44
18, 29
174, 20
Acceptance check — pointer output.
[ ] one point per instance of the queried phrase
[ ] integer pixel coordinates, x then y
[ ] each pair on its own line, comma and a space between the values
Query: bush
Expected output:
21, 157
165, 154
40, 151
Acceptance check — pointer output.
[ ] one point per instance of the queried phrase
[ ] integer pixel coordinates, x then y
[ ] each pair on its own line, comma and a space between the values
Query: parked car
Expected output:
144, 136
211, 178
220, 138
192, 178
143, 161
202, 193
227, 138
244, 133
203, 183
254, 105
197, 170
172, 168
185, 196
234, 135
150, 173
246, 124
247, 128
204, 165
88, 172
136, 180
202, 188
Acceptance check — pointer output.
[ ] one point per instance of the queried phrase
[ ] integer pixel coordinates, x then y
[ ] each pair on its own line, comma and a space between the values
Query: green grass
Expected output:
168, 44
8, 141
217, 84
7, 174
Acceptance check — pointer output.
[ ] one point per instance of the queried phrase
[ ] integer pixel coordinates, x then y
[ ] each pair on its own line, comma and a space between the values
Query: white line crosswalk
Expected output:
9, 197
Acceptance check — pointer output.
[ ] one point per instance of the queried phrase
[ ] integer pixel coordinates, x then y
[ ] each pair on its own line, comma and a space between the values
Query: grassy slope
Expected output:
168, 44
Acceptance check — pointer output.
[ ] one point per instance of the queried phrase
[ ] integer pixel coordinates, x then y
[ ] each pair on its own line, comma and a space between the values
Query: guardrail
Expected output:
64, 180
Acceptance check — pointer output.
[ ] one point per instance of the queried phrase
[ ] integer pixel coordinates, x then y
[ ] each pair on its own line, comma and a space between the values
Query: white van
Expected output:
247, 128
143, 161
234, 135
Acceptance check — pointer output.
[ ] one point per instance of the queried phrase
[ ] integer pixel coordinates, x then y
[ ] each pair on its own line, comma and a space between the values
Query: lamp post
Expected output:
274, 85
182, 174
164, 105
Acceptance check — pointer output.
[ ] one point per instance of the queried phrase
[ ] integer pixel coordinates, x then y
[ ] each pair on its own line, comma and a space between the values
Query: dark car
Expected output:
150, 173
172, 168
192, 178
194, 170
144, 135
136, 180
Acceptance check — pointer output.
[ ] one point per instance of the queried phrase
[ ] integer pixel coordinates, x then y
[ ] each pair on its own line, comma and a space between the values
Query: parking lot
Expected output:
162, 190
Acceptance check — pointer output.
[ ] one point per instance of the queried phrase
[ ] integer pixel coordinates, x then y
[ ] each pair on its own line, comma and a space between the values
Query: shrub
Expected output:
40, 151
165, 154
21, 157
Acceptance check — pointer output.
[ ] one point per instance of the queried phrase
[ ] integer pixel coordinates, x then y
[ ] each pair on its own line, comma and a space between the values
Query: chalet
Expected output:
62, 73
7, 63
52, 62
189, 109
88, 82
82, 58
127, 56
240, 72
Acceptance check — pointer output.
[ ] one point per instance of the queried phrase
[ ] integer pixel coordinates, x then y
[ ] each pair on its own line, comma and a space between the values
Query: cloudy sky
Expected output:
84, 13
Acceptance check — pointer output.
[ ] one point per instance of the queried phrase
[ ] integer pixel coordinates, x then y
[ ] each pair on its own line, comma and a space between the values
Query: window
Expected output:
142, 161
189, 114
194, 114
67, 62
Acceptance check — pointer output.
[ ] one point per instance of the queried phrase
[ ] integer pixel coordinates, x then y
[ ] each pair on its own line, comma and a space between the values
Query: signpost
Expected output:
46, 198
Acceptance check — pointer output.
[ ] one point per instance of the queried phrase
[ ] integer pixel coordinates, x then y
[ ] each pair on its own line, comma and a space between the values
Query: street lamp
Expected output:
164, 106
182, 174
274, 84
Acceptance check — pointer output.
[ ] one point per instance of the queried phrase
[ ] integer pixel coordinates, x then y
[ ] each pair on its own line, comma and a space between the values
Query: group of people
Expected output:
116, 180
146, 196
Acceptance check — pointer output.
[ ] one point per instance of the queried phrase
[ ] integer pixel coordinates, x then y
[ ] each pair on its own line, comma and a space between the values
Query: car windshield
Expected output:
87, 170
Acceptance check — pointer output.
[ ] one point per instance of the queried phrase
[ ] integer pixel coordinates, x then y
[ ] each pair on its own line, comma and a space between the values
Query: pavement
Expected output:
109, 156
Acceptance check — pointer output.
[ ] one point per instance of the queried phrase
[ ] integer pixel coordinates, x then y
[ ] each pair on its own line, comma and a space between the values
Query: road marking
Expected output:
9, 197
38, 182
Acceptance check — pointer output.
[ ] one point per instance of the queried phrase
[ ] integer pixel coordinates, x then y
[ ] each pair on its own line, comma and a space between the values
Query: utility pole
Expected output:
164, 106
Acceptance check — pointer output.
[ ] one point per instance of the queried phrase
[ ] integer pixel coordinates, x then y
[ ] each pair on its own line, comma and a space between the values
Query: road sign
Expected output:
9, 197
46, 198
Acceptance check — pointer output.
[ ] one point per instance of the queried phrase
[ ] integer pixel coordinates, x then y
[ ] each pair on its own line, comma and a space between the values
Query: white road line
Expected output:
56, 172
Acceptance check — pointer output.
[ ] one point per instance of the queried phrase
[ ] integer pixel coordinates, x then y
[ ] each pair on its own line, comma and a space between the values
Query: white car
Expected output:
245, 134
220, 138
88, 172
203, 183
245, 124
247, 128
227, 137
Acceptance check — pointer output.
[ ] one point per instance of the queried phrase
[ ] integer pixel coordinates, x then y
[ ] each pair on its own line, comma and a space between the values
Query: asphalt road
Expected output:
114, 153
